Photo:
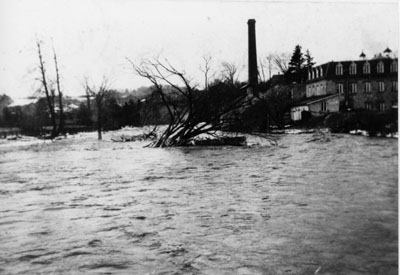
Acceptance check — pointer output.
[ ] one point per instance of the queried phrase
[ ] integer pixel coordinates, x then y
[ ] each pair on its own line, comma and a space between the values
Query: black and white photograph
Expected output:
214, 137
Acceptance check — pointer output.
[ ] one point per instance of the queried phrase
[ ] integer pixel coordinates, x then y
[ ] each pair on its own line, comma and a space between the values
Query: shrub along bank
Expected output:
374, 123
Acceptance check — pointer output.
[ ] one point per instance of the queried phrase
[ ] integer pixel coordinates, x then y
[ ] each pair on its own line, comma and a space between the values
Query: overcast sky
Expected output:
93, 37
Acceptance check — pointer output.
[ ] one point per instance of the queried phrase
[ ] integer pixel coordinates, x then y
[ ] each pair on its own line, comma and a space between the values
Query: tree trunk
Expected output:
50, 101
88, 101
99, 115
61, 125
99, 96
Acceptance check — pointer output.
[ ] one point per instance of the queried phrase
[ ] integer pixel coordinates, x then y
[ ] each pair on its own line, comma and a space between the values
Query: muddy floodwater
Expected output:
304, 206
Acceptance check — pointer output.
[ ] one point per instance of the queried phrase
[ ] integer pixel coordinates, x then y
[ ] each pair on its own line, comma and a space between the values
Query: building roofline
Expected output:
312, 100
356, 60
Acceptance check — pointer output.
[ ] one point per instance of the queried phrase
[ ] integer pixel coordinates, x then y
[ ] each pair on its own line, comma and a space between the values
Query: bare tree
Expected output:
188, 114
49, 91
261, 69
99, 94
60, 95
281, 61
230, 72
207, 70
265, 63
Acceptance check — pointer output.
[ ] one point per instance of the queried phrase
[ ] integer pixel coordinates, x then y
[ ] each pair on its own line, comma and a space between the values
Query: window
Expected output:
339, 88
393, 66
382, 106
394, 86
368, 106
380, 68
367, 87
353, 68
366, 68
353, 88
320, 72
323, 106
339, 69
381, 86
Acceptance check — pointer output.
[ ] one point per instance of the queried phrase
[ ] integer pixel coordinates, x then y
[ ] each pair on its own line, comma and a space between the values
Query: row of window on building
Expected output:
366, 86
381, 106
380, 68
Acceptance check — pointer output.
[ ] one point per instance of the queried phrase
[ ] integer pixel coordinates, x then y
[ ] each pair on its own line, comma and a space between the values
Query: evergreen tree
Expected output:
297, 61
309, 59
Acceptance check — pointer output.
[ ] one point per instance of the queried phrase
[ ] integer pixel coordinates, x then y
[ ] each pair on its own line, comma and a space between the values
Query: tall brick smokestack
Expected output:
253, 73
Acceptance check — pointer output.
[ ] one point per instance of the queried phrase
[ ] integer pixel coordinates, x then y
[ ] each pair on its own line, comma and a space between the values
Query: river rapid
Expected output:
303, 206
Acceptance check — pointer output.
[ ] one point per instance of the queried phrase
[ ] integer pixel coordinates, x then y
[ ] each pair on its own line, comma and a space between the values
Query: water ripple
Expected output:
83, 206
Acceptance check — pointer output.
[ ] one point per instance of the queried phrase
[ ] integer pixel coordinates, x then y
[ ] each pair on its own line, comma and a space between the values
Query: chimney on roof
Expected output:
253, 72
387, 52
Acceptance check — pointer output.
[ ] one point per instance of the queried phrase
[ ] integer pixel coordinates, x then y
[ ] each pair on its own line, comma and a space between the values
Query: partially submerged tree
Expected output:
99, 94
60, 95
188, 109
49, 87
48, 90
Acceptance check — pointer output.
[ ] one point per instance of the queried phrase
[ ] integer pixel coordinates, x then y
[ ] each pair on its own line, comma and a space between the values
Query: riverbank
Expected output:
360, 122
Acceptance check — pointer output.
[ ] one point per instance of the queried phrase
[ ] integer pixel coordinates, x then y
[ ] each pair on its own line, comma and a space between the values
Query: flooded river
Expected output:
79, 206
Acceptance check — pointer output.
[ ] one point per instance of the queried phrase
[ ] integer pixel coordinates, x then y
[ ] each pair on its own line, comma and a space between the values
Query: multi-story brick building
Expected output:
361, 84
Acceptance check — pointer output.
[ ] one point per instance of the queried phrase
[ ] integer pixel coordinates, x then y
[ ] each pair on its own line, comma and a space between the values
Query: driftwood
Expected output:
319, 137
223, 141
129, 138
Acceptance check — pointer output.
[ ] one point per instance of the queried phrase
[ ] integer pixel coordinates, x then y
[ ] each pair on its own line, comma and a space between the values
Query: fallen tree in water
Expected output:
192, 112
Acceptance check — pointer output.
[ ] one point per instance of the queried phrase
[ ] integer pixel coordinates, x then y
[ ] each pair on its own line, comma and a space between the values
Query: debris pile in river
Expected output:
221, 141
127, 138
321, 137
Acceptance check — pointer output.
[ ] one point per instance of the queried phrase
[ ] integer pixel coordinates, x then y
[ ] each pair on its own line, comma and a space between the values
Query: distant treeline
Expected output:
136, 108
120, 109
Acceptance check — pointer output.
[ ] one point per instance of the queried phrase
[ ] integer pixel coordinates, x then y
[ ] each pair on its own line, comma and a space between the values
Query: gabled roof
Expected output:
314, 99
